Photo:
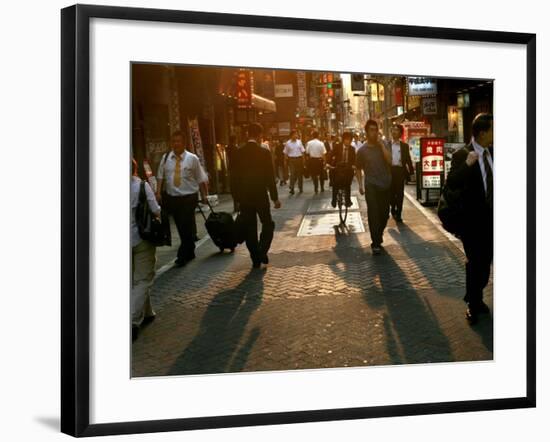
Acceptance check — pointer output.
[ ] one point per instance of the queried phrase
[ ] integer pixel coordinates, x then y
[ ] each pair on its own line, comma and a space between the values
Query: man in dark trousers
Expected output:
341, 162
182, 177
401, 169
253, 179
472, 174
374, 159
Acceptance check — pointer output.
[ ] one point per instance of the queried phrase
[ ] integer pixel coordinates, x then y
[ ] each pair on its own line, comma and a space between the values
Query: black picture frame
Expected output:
75, 212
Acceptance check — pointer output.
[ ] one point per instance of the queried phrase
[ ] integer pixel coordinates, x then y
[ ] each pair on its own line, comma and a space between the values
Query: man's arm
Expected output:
386, 152
269, 173
460, 168
408, 160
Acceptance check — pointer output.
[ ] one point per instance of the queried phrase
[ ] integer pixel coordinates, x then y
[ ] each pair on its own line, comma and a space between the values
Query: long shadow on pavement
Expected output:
215, 348
410, 241
413, 334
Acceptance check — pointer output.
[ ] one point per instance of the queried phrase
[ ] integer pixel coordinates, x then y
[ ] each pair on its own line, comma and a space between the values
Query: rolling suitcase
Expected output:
221, 228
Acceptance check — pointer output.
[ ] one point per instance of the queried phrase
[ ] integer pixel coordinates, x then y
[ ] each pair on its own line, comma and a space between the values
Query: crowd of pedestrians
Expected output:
381, 169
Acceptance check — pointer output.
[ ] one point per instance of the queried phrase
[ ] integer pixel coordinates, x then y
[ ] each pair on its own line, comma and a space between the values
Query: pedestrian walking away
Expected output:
401, 169
374, 160
254, 179
316, 151
472, 175
294, 151
143, 256
341, 162
180, 178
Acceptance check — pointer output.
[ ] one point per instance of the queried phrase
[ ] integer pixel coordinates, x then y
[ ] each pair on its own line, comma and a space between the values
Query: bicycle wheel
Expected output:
342, 208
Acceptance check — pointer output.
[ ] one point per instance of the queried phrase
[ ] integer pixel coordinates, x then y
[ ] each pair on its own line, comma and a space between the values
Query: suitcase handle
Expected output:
209, 206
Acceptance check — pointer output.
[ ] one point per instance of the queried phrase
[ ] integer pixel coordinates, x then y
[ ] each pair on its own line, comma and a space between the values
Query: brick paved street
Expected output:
324, 301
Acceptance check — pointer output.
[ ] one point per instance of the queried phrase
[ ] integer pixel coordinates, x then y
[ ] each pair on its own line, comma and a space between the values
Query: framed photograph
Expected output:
272, 220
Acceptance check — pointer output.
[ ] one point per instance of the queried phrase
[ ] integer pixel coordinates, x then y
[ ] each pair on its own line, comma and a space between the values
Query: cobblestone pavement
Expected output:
324, 301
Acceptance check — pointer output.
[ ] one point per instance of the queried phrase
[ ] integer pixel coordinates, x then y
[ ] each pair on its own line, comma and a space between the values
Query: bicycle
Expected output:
339, 173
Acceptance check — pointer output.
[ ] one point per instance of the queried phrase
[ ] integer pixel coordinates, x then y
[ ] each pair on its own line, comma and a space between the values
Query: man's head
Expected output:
255, 131
346, 138
315, 134
177, 142
396, 132
293, 135
482, 129
232, 139
371, 129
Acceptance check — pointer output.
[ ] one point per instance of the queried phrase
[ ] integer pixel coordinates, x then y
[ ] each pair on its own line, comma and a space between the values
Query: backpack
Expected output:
450, 210
151, 228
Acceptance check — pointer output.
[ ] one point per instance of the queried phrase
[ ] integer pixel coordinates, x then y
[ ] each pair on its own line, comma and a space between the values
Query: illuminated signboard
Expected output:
433, 161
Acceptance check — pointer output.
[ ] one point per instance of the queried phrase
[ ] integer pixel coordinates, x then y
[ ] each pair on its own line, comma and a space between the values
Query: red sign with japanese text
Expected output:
433, 161
243, 91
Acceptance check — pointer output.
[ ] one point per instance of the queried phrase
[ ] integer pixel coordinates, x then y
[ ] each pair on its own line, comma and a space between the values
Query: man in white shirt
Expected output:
316, 151
401, 169
183, 178
471, 175
294, 152
357, 143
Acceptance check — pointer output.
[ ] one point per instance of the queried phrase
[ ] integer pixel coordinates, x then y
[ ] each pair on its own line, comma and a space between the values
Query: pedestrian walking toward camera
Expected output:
182, 177
294, 152
143, 255
401, 169
374, 159
471, 174
281, 168
254, 179
341, 162
316, 151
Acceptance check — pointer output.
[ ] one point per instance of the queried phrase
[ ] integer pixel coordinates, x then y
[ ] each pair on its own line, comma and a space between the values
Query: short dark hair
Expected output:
482, 123
347, 135
370, 122
255, 130
315, 134
400, 127
177, 133
293, 131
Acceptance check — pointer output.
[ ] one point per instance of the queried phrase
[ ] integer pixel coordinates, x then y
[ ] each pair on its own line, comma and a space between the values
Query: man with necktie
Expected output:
401, 168
182, 176
472, 175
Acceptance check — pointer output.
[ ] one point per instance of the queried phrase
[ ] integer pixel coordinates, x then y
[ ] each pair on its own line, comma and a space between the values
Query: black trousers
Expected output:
398, 176
378, 206
316, 172
182, 209
478, 246
257, 248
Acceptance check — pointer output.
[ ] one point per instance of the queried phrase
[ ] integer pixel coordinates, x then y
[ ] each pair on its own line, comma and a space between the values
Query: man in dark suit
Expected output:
253, 179
341, 161
472, 175
401, 169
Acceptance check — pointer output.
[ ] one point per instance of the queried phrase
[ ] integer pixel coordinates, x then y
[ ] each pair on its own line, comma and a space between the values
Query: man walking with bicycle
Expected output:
341, 160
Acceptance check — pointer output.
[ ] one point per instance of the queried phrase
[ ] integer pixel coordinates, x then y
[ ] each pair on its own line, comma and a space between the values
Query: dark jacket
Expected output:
405, 156
335, 156
477, 212
253, 175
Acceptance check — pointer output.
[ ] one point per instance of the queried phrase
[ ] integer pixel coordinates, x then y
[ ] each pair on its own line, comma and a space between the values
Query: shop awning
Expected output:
263, 104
